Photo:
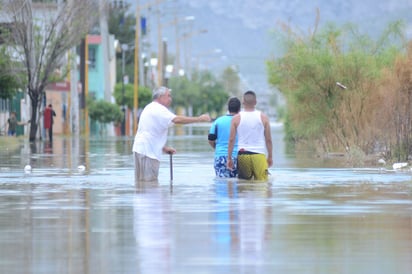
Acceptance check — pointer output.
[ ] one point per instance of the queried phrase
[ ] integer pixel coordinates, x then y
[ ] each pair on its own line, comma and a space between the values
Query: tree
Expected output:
126, 96
211, 97
184, 93
231, 81
122, 25
40, 36
10, 80
203, 93
104, 112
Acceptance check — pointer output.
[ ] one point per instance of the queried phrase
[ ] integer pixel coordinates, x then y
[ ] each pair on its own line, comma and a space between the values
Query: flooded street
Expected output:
310, 217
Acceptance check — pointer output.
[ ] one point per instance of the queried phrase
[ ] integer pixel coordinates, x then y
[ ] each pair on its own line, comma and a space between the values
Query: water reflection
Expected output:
152, 227
243, 224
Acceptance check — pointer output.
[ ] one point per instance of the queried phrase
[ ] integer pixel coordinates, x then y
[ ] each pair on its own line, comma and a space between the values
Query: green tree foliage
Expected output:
10, 81
318, 110
126, 96
41, 39
212, 96
104, 112
122, 25
231, 81
184, 92
203, 94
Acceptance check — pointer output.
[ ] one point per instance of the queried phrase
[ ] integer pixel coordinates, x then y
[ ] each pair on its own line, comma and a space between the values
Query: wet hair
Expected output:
157, 92
249, 97
233, 105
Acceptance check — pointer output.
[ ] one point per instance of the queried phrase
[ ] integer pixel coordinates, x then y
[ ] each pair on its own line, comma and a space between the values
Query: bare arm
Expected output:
232, 138
268, 138
212, 144
181, 119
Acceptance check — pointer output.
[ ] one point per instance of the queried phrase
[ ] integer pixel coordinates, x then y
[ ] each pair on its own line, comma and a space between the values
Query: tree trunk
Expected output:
33, 124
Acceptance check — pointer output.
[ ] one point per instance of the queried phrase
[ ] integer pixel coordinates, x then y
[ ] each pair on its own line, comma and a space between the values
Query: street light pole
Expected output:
159, 52
136, 68
136, 60
215, 53
186, 37
177, 62
123, 127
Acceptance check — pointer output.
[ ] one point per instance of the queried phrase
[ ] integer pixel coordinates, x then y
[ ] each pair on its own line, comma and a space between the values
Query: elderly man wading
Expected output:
151, 137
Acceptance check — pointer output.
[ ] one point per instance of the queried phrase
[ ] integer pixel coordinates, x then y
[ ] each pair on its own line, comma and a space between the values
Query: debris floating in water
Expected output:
342, 86
399, 165
27, 169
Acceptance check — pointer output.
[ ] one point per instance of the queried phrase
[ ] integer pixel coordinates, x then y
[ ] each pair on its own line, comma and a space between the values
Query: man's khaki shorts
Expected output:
146, 169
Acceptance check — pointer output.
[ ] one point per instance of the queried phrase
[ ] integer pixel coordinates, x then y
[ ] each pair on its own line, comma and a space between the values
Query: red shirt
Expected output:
48, 117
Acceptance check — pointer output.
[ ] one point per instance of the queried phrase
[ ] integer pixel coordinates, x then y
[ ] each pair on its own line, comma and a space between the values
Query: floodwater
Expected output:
312, 217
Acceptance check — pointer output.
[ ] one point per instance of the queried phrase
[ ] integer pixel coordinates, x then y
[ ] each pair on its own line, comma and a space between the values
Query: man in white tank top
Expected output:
252, 128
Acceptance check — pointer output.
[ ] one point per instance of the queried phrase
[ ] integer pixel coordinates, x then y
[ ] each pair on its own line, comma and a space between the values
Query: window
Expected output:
92, 57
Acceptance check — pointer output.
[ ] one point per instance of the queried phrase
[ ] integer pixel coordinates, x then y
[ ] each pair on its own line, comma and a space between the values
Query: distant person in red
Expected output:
48, 120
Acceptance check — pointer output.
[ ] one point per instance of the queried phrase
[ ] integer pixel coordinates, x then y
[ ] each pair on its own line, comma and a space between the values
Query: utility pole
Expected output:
74, 97
104, 32
159, 52
136, 69
137, 60
123, 127
187, 47
86, 86
177, 66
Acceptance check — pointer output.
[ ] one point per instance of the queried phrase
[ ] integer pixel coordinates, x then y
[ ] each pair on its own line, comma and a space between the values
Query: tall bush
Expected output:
321, 112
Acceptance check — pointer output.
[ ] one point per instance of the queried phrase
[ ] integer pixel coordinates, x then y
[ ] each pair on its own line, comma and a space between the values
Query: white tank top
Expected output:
250, 132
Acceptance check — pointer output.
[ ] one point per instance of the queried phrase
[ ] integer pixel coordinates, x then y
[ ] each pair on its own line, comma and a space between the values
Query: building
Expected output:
58, 94
101, 73
96, 66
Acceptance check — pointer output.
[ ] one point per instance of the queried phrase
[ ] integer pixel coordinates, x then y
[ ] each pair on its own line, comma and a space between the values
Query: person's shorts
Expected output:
146, 169
221, 169
252, 166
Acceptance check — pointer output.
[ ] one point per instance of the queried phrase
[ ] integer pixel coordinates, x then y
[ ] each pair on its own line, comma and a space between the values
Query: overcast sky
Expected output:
256, 14
241, 29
